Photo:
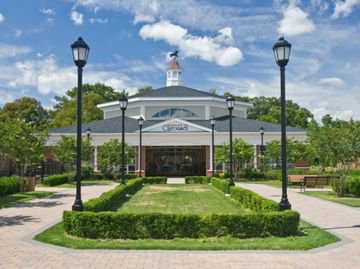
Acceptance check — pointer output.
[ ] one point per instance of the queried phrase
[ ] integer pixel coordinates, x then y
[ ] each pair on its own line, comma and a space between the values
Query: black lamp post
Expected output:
212, 122
123, 101
88, 132
80, 52
281, 51
262, 131
141, 123
230, 102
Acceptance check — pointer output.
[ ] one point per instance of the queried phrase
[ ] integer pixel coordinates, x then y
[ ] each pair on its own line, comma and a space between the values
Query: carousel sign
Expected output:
173, 128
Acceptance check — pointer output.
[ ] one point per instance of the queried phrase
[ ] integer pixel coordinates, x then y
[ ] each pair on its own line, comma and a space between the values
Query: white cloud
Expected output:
332, 81
2, 18
206, 48
48, 11
143, 18
9, 51
295, 22
98, 20
77, 17
344, 8
164, 30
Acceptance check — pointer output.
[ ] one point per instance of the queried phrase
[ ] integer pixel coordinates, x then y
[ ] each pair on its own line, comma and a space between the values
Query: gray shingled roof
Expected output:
176, 91
113, 125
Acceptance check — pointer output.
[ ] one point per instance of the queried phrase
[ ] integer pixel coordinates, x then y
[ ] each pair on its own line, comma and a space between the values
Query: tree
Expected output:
268, 109
109, 156
242, 154
64, 113
22, 143
65, 151
144, 89
336, 144
29, 110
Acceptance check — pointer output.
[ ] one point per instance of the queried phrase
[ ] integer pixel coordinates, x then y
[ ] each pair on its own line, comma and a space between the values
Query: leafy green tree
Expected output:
336, 144
109, 156
65, 151
22, 143
64, 113
268, 109
29, 110
242, 154
144, 89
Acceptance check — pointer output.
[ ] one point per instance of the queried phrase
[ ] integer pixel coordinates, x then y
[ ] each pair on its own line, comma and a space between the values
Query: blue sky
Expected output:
225, 45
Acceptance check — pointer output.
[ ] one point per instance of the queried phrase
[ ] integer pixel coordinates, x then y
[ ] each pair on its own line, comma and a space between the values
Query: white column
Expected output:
255, 158
95, 159
207, 112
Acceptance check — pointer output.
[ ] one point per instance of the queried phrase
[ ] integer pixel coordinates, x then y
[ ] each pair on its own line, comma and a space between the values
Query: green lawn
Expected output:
309, 237
271, 183
332, 196
180, 198
13, 199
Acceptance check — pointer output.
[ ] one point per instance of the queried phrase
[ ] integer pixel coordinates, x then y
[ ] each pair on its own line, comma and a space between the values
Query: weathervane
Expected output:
174, 54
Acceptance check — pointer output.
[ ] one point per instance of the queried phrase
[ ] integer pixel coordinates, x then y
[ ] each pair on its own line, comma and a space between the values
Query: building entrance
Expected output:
175, 161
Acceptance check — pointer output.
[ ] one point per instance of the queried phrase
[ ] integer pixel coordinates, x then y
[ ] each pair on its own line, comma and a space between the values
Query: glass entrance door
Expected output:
175, 161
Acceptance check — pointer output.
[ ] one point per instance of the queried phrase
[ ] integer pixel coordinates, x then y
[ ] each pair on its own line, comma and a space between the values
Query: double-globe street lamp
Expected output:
123, 102
80, 52
230, 103
141, 123
281, 51
262, 131
212, 122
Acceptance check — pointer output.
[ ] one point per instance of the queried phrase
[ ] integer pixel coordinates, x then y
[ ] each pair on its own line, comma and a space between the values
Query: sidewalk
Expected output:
19, 224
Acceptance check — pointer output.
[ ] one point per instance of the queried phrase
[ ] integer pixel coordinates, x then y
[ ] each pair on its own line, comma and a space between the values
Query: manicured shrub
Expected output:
9, 185
221, 184
56, 180
252, 200
197, 179
87, 172
353, 185
252, 174
112, 199
154, 180
168, 226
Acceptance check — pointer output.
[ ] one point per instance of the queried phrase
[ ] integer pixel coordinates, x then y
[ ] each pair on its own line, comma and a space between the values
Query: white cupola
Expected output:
174, 72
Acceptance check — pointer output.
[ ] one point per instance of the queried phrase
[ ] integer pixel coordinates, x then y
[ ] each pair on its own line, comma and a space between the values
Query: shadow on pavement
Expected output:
61, 195
39, 204
16, 220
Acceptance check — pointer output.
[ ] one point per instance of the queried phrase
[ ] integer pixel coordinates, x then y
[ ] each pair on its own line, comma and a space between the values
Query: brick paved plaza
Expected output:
18, 225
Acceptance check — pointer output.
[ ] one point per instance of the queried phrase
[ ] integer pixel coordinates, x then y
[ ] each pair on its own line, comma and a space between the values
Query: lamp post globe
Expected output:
230, 103
212, 123
141, 123
88, 132
282, 49
123, 102
80, 53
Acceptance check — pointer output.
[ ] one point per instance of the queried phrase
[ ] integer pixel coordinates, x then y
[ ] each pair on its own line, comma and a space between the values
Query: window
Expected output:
174, 113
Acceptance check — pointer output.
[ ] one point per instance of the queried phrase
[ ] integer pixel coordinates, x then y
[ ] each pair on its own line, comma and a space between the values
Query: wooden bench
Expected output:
316, 181
296, 179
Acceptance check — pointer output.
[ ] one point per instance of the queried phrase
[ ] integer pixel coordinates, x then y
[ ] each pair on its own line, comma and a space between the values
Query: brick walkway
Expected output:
19, 224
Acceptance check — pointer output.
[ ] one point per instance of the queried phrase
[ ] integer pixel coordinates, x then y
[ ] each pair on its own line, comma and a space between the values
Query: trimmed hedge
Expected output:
9, 185
168, 226
154, 180
56, 180
353, 185
221, 184
112, 199
266, 221
197, 179
252, 200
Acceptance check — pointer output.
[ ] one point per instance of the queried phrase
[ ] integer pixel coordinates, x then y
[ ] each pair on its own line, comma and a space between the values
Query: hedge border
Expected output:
266, 222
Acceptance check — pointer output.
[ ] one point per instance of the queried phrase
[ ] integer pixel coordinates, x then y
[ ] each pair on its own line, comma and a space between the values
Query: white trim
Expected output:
200, 127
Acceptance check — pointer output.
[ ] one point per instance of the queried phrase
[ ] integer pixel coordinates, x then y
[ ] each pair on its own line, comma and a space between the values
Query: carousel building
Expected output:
176, 135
